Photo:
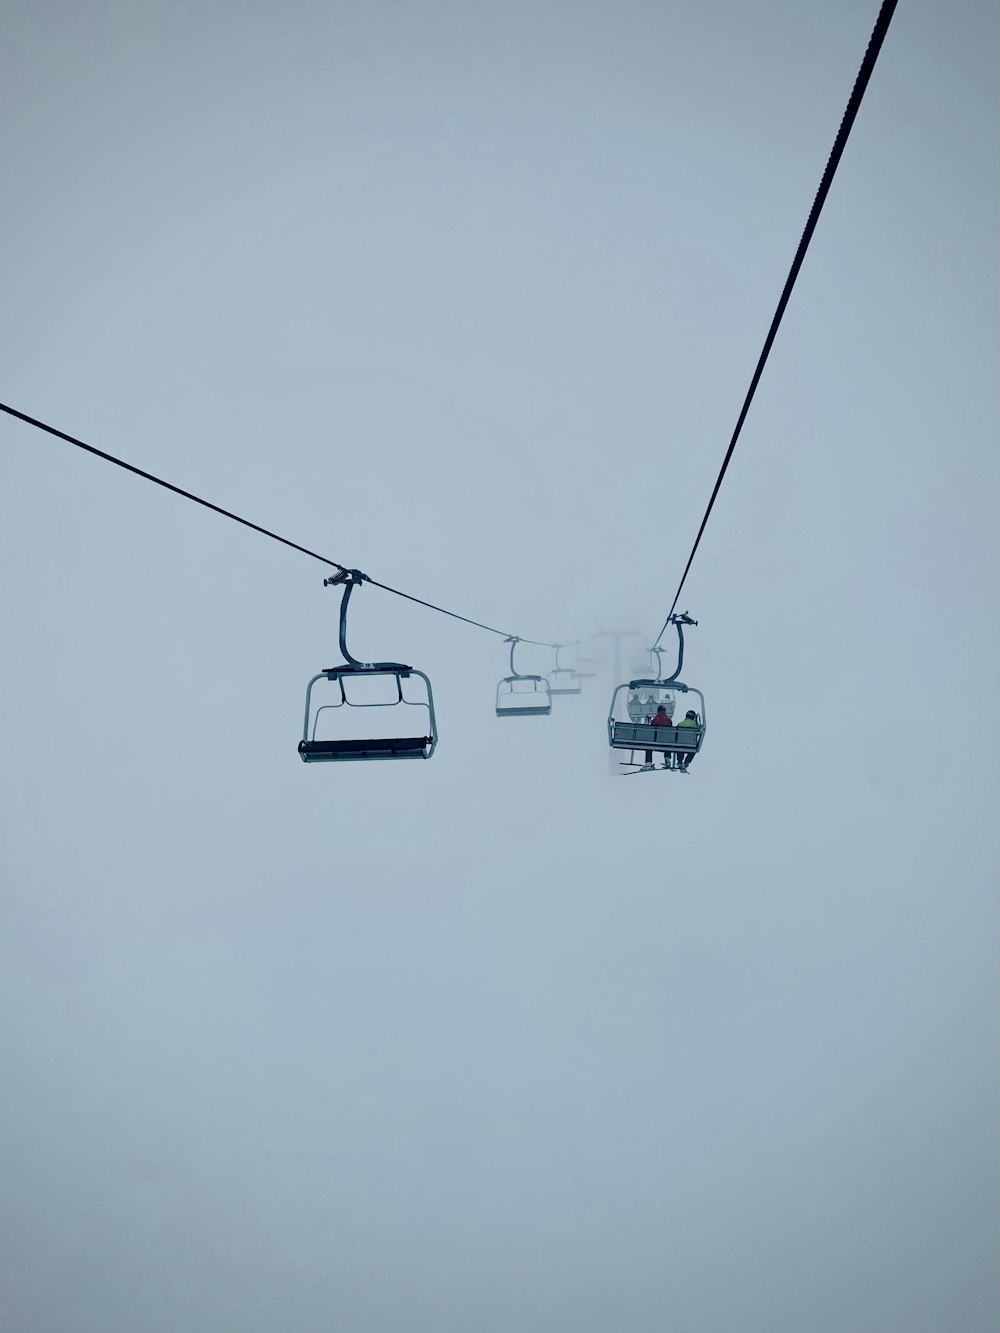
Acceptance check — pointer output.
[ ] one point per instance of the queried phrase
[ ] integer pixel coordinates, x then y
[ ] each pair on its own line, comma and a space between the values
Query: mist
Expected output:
468, 298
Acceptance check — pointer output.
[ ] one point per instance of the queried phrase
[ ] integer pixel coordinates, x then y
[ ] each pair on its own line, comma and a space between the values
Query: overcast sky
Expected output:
468, 296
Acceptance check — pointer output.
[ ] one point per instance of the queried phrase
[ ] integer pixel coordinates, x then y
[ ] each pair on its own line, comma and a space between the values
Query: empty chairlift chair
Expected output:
564, 680
358, 710
584, 666
522, 696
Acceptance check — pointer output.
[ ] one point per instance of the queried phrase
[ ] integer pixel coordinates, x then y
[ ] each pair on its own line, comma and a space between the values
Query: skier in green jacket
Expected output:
690, 719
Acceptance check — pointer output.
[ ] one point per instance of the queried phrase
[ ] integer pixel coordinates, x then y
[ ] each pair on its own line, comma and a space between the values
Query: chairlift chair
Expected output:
564, 680
584, 666
635, 703
365, 685
522, 696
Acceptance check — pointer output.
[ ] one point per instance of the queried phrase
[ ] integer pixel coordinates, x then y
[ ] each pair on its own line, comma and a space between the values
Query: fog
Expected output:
468, 297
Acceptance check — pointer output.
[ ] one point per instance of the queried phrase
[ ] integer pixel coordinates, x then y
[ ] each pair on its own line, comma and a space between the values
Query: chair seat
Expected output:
406, 747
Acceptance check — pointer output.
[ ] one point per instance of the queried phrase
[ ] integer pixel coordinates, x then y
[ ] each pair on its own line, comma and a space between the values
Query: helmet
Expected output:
692, 714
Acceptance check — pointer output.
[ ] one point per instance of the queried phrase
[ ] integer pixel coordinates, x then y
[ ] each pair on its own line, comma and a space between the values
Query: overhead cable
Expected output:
266, 532
858, 92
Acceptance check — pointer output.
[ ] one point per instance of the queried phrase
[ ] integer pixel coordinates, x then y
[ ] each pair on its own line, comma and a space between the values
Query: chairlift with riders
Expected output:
636, 704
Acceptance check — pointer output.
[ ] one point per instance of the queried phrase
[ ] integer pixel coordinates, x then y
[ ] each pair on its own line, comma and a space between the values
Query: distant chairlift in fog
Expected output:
356, 711
585, 667
522, 696
564, 680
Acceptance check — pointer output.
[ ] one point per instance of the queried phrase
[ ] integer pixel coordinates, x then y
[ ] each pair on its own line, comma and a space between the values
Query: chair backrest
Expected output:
643, 735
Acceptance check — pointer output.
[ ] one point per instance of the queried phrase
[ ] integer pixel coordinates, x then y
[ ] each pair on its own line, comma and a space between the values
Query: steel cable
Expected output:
858, 92
266, 532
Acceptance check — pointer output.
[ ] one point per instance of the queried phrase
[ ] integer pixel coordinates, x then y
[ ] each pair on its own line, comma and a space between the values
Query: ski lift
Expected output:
522, 696
585, 667
643, 666
564, 680
636, 703
380, 686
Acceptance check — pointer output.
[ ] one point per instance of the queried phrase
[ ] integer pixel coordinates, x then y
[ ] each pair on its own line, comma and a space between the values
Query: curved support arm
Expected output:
678, 621
513, 644
680, 654
350, 579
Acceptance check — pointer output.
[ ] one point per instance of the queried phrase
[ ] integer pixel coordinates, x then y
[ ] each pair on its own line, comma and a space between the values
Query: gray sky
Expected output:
469, 296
